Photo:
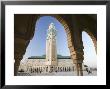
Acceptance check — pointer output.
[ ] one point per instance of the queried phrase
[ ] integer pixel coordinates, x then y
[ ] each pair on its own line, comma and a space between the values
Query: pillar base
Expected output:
78, 69
16, 67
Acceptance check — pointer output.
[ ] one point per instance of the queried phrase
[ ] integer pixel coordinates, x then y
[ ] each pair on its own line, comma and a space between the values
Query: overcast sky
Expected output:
37, 46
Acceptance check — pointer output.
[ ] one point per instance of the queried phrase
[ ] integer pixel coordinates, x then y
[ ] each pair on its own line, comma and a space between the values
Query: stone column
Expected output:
16, 65
77, 56
75, 45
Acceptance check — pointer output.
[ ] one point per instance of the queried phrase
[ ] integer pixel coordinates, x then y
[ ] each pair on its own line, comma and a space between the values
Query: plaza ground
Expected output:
85, 73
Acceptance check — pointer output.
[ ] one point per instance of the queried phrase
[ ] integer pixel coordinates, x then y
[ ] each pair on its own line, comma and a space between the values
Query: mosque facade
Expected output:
39, 64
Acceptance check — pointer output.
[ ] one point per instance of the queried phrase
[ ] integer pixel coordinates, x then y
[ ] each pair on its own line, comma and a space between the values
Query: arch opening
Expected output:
37, 45
40, 36
74, 39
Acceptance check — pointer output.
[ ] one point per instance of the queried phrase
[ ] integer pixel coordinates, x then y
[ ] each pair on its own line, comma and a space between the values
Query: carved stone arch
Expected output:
72, 31
73, 38
76, 56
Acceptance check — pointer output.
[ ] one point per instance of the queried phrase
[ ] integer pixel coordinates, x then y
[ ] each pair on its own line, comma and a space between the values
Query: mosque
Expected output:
51, 62
74, 25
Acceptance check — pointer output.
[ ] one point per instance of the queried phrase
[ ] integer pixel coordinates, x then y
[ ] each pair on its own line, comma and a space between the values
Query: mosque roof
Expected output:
44, 57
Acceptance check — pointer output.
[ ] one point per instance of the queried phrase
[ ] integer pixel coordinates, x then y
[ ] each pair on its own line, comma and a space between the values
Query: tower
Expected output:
51, 51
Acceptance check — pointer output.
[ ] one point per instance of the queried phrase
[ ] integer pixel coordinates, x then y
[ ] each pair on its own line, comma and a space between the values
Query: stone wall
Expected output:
33, 63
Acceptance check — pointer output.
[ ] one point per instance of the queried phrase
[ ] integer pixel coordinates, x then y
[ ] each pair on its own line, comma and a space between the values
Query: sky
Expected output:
37, 46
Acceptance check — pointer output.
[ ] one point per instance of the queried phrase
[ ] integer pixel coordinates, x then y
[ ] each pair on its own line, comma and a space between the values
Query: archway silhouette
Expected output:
72, 24
40, 36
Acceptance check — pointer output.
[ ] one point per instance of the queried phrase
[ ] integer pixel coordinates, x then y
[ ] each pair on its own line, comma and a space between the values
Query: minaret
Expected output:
51, 51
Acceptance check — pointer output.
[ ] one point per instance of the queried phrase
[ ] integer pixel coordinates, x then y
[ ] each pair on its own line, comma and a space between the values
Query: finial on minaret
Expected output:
51, 26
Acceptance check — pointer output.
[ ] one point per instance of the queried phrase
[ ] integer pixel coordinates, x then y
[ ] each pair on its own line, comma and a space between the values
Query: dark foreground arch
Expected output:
24, 27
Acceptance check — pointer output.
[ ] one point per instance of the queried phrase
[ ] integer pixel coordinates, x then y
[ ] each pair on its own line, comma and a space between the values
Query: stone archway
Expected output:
70, 40
76, 54
73, 24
